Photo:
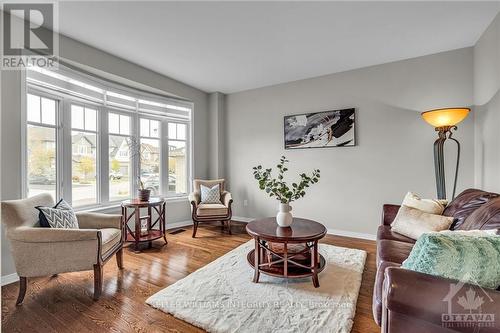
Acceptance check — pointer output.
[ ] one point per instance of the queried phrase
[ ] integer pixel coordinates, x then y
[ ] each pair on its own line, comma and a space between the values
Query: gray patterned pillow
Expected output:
62, 216
210, 195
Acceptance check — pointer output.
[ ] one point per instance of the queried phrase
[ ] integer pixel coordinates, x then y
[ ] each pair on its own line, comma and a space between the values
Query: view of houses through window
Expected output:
120, 156
41, 141
83, 155
133, 139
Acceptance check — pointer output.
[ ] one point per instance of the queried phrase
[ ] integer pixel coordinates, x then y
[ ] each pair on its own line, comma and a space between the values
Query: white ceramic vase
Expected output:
284, 217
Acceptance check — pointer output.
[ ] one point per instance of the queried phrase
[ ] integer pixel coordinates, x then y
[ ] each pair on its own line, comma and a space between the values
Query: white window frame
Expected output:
64, 150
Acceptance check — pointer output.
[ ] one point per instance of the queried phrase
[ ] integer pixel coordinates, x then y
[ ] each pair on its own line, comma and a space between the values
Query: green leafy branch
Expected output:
278, 188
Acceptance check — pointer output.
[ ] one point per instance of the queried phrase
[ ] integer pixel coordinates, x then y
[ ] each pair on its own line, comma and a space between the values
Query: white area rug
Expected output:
221, 297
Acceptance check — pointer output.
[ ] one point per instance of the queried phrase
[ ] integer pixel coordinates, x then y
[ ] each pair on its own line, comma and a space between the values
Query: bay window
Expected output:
89, 141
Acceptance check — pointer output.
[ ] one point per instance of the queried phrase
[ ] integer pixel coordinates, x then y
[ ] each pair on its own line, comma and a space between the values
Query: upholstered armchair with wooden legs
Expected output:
208, 212
41, 251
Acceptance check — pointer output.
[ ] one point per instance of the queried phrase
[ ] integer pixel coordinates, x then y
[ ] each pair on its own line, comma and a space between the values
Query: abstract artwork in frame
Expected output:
320, 129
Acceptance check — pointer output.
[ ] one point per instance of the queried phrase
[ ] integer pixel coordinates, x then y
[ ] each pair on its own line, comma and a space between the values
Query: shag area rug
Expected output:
221, 297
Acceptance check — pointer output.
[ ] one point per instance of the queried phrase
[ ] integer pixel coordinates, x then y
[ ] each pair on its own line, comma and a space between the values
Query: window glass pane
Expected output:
83, 168
150, 164
48, 111
181, 131
124, 125
41, 145
33, 106
90, 119
77, 116
172, 131
120, 167
177, 166
144, 127
155, 128
113, 123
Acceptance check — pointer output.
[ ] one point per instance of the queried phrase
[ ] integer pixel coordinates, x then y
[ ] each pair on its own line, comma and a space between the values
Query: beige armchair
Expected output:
210, 212
41, 251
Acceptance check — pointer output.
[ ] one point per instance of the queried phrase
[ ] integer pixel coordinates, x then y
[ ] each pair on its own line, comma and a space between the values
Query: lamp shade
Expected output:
445, 117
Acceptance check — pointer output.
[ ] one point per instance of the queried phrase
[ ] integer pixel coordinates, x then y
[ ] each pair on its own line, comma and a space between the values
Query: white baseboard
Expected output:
8, 279
351, 234
329, 231
178, 224
242, 219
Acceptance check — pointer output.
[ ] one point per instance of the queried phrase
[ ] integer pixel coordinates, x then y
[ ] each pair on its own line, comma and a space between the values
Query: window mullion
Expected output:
64, 142
164, 157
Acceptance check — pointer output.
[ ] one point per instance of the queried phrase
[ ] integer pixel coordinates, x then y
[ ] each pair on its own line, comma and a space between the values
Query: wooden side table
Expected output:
154, 230
298, 254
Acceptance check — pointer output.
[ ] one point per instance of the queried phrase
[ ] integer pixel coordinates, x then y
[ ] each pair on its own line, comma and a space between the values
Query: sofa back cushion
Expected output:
485, 217
465, 204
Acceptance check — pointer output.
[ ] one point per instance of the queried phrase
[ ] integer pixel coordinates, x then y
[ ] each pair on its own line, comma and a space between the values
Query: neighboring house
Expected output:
83, 147
150, 157
119, 150
177, 168
41, 143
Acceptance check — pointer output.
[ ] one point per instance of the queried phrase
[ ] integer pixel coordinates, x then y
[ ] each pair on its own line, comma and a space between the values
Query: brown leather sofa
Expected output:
408, 301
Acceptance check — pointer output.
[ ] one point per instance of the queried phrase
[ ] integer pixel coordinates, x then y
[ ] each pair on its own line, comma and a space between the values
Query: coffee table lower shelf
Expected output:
278, 270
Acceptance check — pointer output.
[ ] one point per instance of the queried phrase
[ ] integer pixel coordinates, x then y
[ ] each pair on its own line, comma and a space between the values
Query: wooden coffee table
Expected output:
298, 255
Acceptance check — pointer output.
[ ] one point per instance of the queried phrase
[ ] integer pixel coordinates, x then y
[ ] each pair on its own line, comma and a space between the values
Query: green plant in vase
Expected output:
278, 188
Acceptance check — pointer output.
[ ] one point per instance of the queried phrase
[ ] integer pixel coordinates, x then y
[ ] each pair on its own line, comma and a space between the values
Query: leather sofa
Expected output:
408, 301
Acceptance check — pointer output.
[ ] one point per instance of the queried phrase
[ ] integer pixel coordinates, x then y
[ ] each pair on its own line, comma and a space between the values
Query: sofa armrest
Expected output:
51, 235
226, 198
427, 297
389, 213
88, 220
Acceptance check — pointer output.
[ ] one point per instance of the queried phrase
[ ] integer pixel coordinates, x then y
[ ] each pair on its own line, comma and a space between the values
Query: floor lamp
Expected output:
444, 121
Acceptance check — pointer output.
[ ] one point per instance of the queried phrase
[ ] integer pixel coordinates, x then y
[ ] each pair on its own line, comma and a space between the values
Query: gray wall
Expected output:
487, 110
394, 145
116, 69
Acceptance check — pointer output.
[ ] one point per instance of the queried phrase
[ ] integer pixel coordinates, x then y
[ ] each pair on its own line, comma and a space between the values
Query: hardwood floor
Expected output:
63, 303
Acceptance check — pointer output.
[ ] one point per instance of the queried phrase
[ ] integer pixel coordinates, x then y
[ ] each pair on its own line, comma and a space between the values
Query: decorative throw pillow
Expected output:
430, 206
59, 216
210, 195
472, 259
412, 222
41, 217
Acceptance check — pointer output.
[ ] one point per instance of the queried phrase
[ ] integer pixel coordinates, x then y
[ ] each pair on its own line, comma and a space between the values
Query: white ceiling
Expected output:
235, 46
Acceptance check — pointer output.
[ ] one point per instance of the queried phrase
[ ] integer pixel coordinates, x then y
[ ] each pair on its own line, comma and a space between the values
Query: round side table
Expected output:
153, 230
286, 252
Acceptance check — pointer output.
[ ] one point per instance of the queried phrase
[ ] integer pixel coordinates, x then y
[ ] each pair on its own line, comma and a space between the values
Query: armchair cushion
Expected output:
59, 216
211, 210
110, 237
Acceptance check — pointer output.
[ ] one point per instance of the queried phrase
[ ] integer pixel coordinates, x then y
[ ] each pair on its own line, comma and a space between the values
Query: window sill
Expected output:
114, 205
